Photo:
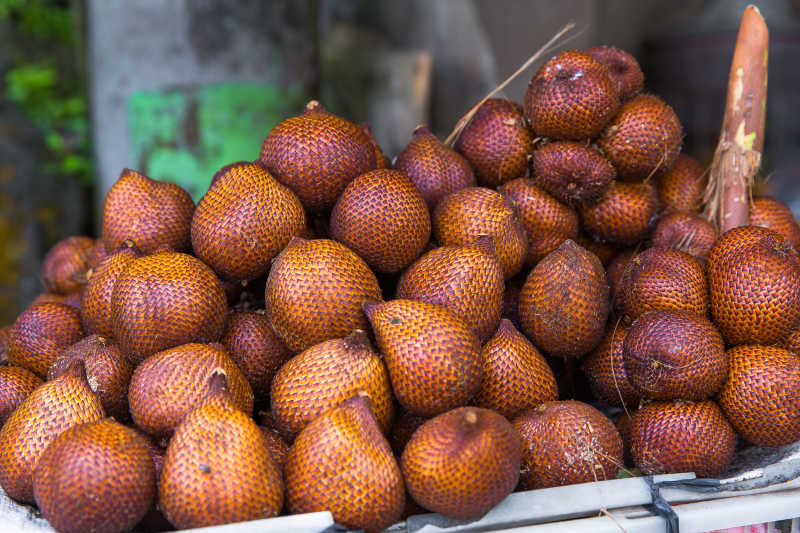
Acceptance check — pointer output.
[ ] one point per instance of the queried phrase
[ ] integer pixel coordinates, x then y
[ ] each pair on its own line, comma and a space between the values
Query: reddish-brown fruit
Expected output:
761, 397
565, 443
754, 284
218, 468
316, 154
40, 333
572, 96
465, 215
564, 303
98, 255
48, 411
605, 251
614, 272
623, 68
5, 336
687, 232
605, 370
95, 477
157, 452
381, 161
16, 384
72, 299
433, 357
383, 218
342, 463
623, 425
315, 290
681, 436
168, 384
625, 215
572, 172
682, 185
405, 425
548, 222
468, 280
792, 342
435, 168
278, 448
148, 212
244, 220
775, 215
66, 264
496, 142
96, 301
643, 138
462, 463
165, 300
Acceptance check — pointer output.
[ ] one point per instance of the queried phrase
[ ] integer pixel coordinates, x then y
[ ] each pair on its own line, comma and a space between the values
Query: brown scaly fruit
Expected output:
244, 220
496, 142
16, 384
465, 215
565, 443
315, 290
342, 463
564, 303
5, 336
49, 410
792, 342
98, 255
157, 451
435, 168
382, 217
572, 172
687, 232
218, 468
516, 376
644, 137
405, 425
278, 448
95, 477
316, 154
40, 333
432, 355
775, 215
761, 397
165, 300
614, 272
754, 284
605, 251
468, 280
548, 222
623, 68
681, 436
462, 463
325, 375
148, 212
681, 186
625, 215
66, 264
166, 386
605, 370
72, 299
96, 301
623, 425
674, 355
381, 161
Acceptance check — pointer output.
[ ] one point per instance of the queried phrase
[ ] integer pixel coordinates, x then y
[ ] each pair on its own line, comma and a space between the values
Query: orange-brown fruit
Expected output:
792, 342
465, 215
381, 161
325, 375
614, 272
462, 463
72, 299
605, 251
625, 215
775, 215
156, 450
564, 303
40, 333
148, 212
754, 284
687, 232
405, 425
98, 255
16, 384
682, 185
572, 96
316, 154
165, 300
66, 264
623, 68
5, 336
244, 220
97, 477
168, 384
468, 280
547, 222
383, 218
96, 301
432, 355
672, 355
108, 372
572, 172
605, 370
643, 138
681, 436
435, 168
315, 290
342, 463
761, 397
278, 448
218, 468
496, 142
565, 443
516, 376
49, 410
254, 347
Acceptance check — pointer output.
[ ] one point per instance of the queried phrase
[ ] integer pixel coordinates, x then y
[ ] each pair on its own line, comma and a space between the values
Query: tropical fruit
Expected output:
16, 384
775, 215
681, 186
244, 220
381, 161
278, 448
405, 424
567, 442
342, 463
615, 270
315, 290
432, 355
605, 370
605, 251
564, 303
97, 476
5, 336
66, 264
72, 299
625, 215
623, 425
687, 232
572, 172
382, 217
316, 154
96, 302
623, 68
40, 333
462, 463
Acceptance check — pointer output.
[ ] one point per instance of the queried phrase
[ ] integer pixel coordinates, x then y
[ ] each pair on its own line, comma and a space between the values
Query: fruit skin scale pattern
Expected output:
40, 333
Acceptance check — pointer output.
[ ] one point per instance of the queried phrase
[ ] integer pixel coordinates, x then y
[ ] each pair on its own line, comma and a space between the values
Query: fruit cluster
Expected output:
404, 331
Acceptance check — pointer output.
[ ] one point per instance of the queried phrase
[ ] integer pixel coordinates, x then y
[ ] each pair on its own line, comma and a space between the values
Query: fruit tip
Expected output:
218, 382
76, 368
470, 417
313, 105
506, 327
370, 307
487, 244
422, 129
357, 340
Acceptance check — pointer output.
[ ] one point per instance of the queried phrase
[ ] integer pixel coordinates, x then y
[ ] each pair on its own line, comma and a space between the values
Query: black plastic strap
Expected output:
660, 506
338, 528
